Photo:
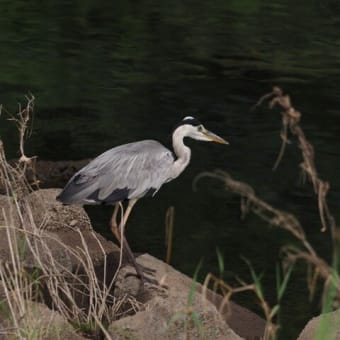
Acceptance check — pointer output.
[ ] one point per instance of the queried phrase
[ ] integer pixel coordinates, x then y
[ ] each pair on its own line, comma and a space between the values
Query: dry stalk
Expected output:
250, 202
64, 284
280, 219
317, 267
169, 227
290, 123
228, 291
15, 179
22, 123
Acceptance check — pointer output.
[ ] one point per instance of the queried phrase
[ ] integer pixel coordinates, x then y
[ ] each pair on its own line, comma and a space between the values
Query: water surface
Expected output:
112, 72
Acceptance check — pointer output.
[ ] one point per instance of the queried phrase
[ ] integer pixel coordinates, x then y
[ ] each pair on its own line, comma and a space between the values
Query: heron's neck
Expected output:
183, 153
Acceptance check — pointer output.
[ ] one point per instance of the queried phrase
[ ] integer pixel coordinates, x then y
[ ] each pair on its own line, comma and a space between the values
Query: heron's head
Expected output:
193, 128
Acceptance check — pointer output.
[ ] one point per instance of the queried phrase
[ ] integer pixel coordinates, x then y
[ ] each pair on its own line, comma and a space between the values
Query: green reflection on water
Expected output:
109, 72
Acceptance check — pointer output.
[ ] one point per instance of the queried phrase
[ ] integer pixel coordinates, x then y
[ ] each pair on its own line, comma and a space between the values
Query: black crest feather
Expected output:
188, 121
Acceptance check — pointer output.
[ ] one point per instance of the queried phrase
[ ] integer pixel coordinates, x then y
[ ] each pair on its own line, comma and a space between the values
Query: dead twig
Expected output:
251, 202
83, 296
22, 122
290, 123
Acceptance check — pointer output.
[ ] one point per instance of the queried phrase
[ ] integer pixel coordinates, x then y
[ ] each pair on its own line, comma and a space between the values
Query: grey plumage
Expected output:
124, 172
131, 171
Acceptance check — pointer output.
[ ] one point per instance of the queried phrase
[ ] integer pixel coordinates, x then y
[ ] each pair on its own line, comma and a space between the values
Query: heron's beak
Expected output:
214, 138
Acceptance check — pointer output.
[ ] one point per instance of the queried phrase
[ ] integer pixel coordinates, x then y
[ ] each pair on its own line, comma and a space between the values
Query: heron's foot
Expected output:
142, 272
146, 281
128, 283
160, 289
147, 285
150, 280
138, 283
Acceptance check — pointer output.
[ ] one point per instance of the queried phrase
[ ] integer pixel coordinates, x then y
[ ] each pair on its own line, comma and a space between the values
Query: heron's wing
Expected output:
80, 188
128, 171
140, 168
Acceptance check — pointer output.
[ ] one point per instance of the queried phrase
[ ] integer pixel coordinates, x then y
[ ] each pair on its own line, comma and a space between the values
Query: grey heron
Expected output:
132, 171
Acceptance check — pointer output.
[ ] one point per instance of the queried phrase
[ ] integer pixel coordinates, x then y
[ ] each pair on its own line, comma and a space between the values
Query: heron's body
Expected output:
134, 170
112, 176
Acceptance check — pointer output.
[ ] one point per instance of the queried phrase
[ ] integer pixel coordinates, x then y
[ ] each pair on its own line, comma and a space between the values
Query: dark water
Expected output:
109, 72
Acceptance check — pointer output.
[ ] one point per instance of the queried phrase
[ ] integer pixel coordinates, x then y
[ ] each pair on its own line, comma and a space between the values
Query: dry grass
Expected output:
291, 124
49, 280
318, 269
64, 286
317, 266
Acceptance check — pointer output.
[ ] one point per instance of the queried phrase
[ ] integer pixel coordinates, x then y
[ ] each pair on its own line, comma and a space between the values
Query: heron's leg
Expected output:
125, 243
118, 231
113, 224
127, 212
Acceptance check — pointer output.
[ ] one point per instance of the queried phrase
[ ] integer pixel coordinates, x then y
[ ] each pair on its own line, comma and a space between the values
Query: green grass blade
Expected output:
256, 278
282, 287
198, 324
194, 284
220, 261
274, 311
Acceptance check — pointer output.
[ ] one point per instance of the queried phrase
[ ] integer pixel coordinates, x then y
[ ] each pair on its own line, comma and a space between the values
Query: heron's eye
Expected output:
200, 128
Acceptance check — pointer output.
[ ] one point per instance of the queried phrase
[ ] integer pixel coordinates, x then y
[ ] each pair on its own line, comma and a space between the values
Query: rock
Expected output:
50, 243
176, 311
71, 225
172, 309
28, 248
38, 322
324, 326
49, 214
8, 211
18, 243
242, 321
52, 229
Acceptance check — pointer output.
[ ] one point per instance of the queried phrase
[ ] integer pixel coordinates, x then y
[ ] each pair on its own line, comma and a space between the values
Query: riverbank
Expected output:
69, 262
61, 279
